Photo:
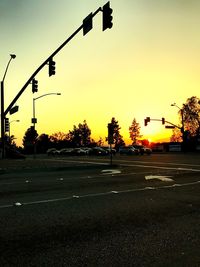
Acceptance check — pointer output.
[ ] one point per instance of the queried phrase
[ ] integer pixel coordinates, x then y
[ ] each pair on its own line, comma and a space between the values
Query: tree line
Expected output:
187, 132
189, 128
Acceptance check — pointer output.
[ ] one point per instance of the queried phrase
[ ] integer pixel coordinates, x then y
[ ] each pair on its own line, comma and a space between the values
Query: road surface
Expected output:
142, 211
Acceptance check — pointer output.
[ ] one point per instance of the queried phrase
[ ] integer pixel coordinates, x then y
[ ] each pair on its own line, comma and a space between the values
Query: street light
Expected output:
10, 123
34, 120
12, 56
182, 120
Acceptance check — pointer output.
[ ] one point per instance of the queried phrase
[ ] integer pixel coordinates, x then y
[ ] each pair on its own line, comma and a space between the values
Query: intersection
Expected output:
83, 211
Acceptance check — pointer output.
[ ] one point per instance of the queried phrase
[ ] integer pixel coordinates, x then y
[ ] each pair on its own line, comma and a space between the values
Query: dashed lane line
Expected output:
97, 194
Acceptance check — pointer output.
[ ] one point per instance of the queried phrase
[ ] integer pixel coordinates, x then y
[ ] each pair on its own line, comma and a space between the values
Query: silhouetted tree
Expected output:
85, 133
145, 142
191, 115
43, 143
100, 142
81, 135
29, 140
176, 135
75, 137
118, 138
10, 140
59, 140
134, 131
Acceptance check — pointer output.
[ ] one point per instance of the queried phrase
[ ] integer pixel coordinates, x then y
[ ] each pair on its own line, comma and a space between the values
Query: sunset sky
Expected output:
147, 61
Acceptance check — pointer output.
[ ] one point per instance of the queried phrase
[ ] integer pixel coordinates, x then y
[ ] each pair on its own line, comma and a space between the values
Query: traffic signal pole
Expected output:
43, 64
2, 120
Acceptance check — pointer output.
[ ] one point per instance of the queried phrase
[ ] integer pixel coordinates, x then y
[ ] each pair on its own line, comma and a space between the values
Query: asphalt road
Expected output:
142, 211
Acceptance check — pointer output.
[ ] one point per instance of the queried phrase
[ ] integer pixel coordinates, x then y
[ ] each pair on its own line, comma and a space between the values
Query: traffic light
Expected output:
163, 120
148, 119
34, 85
110, 133
7, 125
107, 17
87, 24
52, 67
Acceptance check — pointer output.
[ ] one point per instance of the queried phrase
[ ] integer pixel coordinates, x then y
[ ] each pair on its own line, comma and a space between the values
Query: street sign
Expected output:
169, 127
14, 109
34, 120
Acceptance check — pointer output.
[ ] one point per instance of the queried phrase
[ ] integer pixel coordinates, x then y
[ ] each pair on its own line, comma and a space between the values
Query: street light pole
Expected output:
12, 56
182, 119
183, 127
10, 123
34, 120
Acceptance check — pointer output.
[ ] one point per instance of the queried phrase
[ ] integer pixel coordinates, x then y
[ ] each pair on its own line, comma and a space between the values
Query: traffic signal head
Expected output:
52, 67
148, 119
163, 120
87, 24
34, 85
107, 17
7, 126
145, 122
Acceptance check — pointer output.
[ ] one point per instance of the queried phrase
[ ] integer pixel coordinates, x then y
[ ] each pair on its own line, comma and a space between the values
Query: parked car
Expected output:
66, 151
128, 150
79, 152
110, 150
52, 151
143, 149
98, 151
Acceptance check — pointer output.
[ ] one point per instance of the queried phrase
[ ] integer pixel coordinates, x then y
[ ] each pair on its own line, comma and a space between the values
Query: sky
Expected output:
148, 60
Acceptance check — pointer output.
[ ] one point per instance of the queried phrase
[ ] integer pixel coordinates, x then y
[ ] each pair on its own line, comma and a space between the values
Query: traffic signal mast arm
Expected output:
176, 126
45, 63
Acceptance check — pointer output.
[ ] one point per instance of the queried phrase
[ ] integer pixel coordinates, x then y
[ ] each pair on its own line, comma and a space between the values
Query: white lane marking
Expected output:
149, 188
159, 167
6, 206
162, 178
140, 165
158, 162
101, 194
80, 161
17, 204
11, 183
110, 171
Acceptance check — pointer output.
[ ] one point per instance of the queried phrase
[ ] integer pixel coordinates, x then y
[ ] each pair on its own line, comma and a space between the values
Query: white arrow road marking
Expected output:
163, 178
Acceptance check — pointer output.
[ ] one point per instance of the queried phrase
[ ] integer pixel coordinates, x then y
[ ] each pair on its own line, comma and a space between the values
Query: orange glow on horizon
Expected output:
148, 60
